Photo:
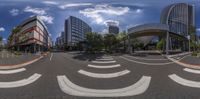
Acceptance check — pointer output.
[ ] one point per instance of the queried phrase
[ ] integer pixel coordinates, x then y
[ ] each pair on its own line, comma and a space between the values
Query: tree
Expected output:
121, 38
193, 42
160, 44
1, 43
1, 39
94, 41
16, 29
110, 42
11, 38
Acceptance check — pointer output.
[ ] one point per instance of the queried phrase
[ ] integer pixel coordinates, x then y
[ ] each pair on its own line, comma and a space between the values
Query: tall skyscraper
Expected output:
75, 30
113, 27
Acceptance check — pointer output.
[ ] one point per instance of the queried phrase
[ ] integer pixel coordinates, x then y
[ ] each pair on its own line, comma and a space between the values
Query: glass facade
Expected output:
76, 30
179, 18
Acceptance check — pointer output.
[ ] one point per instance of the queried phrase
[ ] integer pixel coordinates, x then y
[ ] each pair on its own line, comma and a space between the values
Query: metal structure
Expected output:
174, 26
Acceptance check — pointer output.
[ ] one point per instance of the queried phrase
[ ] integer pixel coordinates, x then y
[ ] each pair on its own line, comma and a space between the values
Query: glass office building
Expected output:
179, 17
75, 30
175, 25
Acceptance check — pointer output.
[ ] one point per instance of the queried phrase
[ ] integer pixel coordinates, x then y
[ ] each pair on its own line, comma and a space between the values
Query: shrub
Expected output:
194, 53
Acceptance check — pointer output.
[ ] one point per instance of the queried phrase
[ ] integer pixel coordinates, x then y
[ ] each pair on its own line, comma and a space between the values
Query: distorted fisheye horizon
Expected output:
99, 49
96, 13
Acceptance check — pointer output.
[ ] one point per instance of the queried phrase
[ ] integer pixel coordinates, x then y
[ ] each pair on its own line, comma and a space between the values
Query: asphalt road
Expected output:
70, 65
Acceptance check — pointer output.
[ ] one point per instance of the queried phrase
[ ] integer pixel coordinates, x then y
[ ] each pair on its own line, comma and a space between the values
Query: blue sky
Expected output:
125, 13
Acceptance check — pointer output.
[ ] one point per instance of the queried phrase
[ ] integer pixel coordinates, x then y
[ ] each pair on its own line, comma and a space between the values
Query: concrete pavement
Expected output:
162, 85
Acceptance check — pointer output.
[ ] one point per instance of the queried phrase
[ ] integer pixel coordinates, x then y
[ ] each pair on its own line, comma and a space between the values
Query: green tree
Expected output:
160, 44
193, 42
94, 41
121, 39
1, 42
16, 29
110, 42
1, 39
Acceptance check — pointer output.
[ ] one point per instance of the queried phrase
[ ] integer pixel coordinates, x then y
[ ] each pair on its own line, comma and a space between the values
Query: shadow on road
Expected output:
87, 56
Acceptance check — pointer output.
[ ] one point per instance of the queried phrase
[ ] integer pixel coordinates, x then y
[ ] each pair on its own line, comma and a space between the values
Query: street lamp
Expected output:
188, 37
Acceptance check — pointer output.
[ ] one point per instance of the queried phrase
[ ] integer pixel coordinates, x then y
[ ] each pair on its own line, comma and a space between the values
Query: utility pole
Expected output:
167, 43
188, 37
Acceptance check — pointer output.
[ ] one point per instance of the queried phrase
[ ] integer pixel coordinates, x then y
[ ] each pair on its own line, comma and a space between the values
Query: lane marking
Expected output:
106, 57
192, 70
12, 71
145, 58
103, 61
146, 63
106, 75
20, 83
184, 82
70, 88
108, 66
51, 56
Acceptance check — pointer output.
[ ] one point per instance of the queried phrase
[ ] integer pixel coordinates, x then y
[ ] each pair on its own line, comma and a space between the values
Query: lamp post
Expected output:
188, 37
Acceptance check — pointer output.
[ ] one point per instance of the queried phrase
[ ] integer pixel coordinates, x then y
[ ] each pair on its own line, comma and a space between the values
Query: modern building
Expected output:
175, 24
75, 30
113, 27
60, 41
30, 36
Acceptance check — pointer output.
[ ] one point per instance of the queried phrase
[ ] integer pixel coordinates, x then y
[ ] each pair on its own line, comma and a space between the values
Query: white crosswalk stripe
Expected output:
184, 82
20, 83
104, 75
70, 88
192, 70
107, 66
12, 71
103, 61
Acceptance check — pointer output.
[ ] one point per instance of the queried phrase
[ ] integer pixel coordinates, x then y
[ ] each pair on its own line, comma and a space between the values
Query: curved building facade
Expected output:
179, 17
32, 36
175, 23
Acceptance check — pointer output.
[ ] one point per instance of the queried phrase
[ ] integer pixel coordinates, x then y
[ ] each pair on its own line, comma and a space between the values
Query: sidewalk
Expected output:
10, 60
193, 60
186, 60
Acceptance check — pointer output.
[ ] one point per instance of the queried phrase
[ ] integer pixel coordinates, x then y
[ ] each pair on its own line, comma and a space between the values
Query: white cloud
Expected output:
138, 11
14, 12
50, 34
4, 39
96, 12
50, 2
74, 5
104, 31
41, 13
2, 29
46, 18
38, 11
111, 22
198, 29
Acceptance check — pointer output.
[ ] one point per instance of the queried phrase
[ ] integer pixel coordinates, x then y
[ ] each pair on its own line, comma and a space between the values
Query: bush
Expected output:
17, 53
194, 53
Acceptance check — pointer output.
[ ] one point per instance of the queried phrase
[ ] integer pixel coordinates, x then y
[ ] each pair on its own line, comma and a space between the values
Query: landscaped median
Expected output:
20, 61
186, 60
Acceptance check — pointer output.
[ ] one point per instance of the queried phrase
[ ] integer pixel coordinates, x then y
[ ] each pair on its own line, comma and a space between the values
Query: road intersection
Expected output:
82, 76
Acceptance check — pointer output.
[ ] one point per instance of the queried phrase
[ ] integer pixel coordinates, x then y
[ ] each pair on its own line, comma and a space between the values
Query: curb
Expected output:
185, 64
23, 64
